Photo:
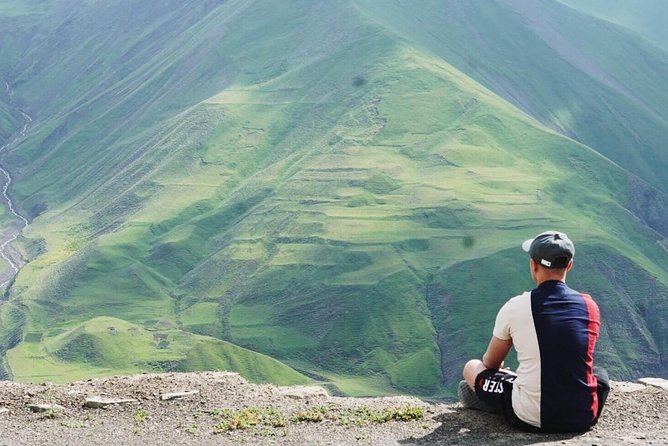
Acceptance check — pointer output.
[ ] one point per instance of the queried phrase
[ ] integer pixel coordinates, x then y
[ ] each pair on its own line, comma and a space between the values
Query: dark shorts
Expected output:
495, 387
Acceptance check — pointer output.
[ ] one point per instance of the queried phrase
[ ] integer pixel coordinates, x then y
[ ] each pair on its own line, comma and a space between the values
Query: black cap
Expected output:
551, 249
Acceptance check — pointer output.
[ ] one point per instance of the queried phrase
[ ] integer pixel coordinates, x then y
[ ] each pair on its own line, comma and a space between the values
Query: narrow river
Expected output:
14, 264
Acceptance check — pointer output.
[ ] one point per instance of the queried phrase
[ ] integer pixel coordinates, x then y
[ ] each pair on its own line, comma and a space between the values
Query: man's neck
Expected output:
547, 275
562, 280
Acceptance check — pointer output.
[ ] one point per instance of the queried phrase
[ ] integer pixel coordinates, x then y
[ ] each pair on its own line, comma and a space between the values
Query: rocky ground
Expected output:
215, 408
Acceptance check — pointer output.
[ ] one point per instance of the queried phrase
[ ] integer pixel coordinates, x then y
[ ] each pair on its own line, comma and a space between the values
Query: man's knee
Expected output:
471, 371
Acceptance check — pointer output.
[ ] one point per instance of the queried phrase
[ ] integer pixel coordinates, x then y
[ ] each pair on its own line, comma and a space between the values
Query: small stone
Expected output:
46, 407
3, 410
174, 395
656, 382
303, 392
97, 402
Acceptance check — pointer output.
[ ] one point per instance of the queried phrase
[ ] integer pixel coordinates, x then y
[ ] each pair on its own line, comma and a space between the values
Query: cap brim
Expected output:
527, 244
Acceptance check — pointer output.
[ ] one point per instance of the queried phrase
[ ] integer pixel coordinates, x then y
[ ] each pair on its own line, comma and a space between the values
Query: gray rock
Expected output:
656, 382
626, 387
98, 402
46, 407
174, 395
303, 392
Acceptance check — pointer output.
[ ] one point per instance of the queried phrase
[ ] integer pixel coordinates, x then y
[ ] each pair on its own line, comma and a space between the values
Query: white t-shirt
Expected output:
515, 321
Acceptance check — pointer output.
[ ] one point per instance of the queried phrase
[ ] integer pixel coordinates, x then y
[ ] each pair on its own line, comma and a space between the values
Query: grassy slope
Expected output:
646, 17
8, 122
335, 207
12, 315
106, 92
100, 90
104, 346
557, 65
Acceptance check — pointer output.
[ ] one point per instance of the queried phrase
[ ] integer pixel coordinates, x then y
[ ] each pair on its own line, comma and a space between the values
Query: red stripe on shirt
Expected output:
594, 325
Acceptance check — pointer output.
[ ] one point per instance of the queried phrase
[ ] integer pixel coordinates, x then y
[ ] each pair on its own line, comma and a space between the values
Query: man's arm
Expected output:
496, 352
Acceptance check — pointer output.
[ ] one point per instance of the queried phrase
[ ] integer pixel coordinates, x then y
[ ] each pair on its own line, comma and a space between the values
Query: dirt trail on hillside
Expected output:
215, 406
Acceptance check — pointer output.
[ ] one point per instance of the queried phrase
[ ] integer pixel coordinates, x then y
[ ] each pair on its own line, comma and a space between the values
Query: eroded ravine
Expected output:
7, 239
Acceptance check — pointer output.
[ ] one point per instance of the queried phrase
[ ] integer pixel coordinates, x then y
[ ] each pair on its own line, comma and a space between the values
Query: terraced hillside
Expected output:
340, 186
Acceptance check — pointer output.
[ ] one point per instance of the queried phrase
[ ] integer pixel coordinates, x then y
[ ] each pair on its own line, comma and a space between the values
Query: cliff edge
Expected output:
218, 408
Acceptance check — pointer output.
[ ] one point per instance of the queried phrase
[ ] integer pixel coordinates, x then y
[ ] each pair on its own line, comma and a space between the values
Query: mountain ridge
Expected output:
644, 17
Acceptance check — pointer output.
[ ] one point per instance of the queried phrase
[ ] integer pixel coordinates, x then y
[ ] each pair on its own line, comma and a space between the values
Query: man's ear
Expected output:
533, 267
569, 266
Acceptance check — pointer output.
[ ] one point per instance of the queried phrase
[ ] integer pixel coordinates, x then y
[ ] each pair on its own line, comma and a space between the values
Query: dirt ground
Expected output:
223, 409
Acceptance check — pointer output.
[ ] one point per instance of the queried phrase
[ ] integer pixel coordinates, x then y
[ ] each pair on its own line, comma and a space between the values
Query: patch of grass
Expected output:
78, 423
366, 415
51, 414
74, 424
192, 429
204, 313
248, 418
238, 420
274, 417
141, 416
314, 415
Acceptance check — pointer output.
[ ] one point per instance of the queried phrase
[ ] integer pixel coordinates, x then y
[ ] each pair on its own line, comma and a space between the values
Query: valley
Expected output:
320, 191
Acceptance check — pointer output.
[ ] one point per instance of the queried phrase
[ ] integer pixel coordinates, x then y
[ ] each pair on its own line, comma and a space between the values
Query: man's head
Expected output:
551, 255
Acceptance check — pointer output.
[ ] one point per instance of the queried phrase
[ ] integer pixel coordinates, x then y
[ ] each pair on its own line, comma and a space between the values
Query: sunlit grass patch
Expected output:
200, 313
250, 417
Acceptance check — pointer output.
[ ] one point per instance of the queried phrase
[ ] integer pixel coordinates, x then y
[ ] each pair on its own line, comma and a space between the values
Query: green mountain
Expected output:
645, 17
100, 346
341, 186
558, 66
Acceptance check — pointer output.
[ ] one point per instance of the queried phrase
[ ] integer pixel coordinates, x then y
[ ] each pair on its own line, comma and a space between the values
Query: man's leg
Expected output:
471, 370
470, 400
485, 389
495, 388
466, 389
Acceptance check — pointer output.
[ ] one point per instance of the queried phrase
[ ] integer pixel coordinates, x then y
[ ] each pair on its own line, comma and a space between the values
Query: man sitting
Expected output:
554, 331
